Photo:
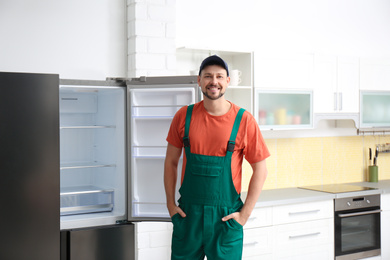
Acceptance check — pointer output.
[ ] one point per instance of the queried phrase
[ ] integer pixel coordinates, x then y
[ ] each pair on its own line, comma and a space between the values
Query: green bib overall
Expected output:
207, 195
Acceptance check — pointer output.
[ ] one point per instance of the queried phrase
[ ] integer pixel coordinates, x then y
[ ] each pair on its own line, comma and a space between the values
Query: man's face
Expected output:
213, 81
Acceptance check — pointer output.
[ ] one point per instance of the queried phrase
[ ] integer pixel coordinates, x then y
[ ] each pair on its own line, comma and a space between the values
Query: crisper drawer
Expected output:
260, 217
257, 242
294, 236
302, 212
86, 199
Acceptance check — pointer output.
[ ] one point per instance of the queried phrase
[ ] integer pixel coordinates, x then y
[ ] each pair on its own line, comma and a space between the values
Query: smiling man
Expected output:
216, 135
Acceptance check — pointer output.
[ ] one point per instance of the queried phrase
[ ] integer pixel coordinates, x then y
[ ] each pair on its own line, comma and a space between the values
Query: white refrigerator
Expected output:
112, 151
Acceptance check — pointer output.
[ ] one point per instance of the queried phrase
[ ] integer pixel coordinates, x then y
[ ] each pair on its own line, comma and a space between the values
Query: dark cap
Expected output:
213, 60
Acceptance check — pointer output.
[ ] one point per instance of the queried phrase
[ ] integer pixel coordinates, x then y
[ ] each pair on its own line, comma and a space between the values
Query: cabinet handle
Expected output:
341, 101
304, 235
251, 243
304, 212
335, 102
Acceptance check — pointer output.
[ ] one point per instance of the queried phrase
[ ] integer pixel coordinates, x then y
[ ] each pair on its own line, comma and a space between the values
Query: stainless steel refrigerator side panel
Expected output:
29, 167
148, 83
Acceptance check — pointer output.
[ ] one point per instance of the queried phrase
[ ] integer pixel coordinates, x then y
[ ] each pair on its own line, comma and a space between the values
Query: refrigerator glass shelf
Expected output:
87, 126
84, 165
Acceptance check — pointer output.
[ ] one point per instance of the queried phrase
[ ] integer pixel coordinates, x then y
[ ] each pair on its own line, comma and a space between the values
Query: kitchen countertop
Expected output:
286, 196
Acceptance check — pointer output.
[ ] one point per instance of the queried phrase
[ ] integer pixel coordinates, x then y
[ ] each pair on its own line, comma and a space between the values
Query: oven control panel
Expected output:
357, 202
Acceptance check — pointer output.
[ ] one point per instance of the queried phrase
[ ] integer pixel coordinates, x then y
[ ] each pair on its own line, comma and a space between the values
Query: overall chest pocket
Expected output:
205, 180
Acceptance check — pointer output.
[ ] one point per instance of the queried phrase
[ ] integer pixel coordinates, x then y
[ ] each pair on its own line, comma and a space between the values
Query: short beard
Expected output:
213, 98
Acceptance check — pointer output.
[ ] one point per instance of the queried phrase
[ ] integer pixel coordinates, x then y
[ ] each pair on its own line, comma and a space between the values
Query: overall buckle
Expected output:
230, 146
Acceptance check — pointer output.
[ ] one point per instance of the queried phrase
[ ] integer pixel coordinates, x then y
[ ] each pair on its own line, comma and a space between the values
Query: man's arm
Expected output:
170, 178
255, 187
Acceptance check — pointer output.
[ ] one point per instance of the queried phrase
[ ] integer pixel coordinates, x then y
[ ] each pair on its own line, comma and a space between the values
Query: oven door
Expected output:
357, 233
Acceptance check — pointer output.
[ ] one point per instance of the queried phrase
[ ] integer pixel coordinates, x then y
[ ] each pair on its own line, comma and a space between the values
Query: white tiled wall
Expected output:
151, 37
153, 240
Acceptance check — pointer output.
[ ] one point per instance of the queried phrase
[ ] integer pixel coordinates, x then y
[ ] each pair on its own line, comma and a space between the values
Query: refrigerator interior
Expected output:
152, 111
92, 155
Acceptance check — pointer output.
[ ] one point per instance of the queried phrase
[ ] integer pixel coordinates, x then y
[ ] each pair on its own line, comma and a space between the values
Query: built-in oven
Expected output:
357, 227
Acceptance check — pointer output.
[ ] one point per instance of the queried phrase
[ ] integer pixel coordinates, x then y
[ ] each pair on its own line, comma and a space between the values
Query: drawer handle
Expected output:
305, 235
304, 212
251, 243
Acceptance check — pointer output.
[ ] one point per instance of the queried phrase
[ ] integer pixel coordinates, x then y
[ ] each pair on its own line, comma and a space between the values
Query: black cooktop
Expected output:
337, 188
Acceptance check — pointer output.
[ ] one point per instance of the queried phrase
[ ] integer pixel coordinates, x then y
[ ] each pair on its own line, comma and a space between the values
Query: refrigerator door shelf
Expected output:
85, 199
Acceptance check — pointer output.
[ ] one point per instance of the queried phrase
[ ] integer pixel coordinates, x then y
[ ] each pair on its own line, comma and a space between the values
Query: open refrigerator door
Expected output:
152, 104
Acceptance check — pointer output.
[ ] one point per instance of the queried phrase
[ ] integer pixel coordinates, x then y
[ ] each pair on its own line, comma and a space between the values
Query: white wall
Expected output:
342, 27
76, 39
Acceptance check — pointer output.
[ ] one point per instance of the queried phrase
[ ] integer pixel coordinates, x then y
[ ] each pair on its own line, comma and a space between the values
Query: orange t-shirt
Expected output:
210, 134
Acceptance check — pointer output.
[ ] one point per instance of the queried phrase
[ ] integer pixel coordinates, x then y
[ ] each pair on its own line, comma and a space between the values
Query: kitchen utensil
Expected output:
370, 155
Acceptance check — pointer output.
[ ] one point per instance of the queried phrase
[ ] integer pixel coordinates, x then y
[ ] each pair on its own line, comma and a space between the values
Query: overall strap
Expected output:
186, 140
233, 135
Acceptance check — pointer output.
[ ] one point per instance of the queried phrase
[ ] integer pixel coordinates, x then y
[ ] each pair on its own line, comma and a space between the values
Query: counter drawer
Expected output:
260, 217
257, 242
305, 234
322, 252
302, 212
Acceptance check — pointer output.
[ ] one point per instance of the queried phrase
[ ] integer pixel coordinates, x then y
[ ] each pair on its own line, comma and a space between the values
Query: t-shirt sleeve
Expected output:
256, 149
176, 130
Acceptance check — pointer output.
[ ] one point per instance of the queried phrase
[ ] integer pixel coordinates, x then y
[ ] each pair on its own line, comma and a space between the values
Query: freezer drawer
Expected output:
107, 242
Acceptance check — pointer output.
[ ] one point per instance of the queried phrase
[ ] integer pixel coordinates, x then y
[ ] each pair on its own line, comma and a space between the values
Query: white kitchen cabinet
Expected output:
302, 212
258, 235
188, 61
284, 109
374, 109
258, 243
301, 226
385, 226
375, 74
292, 241
336, 84
284, 71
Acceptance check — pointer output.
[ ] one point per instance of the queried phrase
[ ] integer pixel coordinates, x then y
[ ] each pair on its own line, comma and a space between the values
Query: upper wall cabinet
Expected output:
336, 84
374, 109
375, 74
284, 71
240, 91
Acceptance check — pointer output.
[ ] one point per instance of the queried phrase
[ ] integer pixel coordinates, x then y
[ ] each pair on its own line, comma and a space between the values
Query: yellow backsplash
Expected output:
298, 162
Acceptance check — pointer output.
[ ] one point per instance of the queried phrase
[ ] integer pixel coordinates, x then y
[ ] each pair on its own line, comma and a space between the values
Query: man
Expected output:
215, 134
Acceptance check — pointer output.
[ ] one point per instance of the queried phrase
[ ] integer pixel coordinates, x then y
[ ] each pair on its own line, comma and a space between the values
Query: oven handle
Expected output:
360, 213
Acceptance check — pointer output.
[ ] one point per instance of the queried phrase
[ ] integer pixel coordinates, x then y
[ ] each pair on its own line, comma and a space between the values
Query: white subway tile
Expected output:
143, 240
170, 30
150, 61
150, 28
162, 13
161, 238
161, 45
161, 253
151, 226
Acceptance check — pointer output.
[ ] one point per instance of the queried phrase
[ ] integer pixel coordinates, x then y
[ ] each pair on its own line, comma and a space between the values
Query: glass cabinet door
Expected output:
374, 109
283, 109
